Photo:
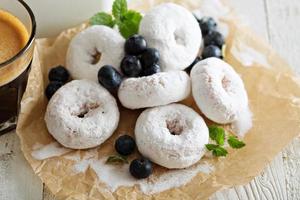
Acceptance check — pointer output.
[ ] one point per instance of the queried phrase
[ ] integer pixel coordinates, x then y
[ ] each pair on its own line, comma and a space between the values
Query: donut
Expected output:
93, 48
218, 90
175, 32
82, 114
173, 136
158, 89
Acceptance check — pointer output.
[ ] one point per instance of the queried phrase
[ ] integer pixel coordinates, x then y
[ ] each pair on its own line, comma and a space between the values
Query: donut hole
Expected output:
96, 57
179, 38
175, 126
86, 109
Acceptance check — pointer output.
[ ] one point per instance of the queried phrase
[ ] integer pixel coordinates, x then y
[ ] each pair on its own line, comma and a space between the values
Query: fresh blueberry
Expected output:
207, 25
153, 69
214, 38
150, 57
140, 168
131, 66
211, 51
109, 78
59, 73
189, 68
51, 88
125, 145
135, 45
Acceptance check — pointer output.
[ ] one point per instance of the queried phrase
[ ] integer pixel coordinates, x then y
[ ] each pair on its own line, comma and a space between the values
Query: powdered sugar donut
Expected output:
175, 32
82, 114
93, 48
155, 90
218, 90
173, 136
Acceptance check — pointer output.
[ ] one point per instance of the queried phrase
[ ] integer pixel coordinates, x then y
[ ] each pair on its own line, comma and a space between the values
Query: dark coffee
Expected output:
10, 98
16, 50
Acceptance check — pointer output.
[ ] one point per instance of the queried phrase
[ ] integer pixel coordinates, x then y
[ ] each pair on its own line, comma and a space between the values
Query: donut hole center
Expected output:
226, 83
86, 109
96, 57
175, 126
179, 39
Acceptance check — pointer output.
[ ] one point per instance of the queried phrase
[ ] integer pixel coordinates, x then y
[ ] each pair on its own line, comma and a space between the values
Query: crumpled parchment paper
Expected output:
274, 94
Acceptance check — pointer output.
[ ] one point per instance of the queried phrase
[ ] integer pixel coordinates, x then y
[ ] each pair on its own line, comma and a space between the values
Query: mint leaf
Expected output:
116, 159
217, 133
102, 18
119, 9
130, 23
217, 150
211, 147
235, 143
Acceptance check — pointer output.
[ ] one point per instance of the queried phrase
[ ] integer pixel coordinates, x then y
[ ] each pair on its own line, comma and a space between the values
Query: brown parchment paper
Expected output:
274, 100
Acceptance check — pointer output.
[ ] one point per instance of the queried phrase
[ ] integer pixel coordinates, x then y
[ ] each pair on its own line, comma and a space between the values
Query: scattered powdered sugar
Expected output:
248, 56
244, 123
41, 152
115, 176
174, 178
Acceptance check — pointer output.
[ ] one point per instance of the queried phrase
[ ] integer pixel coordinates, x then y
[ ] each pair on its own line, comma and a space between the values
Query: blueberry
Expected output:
212, 51
125, 145
131, 66
207, 25
59, 73
150, 57
151, 70
109, 78
189, 68
135, 45
140, 168
214, 38
51, 88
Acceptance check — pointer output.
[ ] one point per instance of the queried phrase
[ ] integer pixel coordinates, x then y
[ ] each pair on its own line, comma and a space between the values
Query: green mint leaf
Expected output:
116, 159
130, 23
119, 9
219, 151
217, 133
102, 18
235, 143
216, 150
211, 147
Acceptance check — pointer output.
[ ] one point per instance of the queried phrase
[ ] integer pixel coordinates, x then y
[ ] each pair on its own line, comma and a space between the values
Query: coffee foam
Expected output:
13, 37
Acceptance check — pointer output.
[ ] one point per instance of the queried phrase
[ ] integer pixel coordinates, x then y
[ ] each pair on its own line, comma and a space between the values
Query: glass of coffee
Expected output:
17, 33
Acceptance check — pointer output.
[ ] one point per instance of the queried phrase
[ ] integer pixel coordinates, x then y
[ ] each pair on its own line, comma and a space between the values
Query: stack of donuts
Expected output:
83, 113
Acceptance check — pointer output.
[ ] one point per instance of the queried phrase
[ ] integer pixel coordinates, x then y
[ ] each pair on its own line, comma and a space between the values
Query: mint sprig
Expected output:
129, 25
218, 135
128, 21
217, 150
119, 9
103, 19
235, 143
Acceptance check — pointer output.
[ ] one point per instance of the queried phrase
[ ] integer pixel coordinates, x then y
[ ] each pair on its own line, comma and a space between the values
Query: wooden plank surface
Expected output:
17, 181
283, 25
278, 22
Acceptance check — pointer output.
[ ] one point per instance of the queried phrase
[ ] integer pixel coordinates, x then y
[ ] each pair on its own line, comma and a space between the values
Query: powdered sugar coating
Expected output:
218, 90
173, 136
82, 114
175, 32
155, 90
85, 45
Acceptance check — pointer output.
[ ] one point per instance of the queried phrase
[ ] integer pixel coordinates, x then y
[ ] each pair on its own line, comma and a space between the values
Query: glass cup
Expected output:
14, 71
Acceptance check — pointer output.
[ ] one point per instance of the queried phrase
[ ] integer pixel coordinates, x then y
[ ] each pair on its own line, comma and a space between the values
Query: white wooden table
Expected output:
278, 21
